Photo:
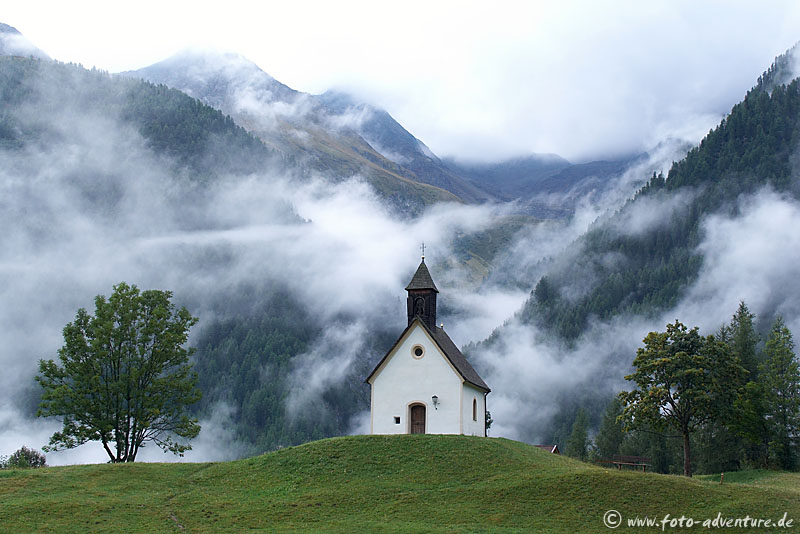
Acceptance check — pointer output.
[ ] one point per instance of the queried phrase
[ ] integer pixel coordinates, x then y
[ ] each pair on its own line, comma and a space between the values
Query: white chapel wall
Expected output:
406, 379
472, 427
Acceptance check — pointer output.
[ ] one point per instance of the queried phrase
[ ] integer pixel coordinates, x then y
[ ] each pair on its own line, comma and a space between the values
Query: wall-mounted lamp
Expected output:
435, 400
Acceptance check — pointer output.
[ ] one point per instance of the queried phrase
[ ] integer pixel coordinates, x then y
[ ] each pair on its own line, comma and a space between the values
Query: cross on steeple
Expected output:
423, 251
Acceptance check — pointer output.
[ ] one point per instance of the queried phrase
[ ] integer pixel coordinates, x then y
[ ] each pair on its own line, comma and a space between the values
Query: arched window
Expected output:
474, 409
419, 306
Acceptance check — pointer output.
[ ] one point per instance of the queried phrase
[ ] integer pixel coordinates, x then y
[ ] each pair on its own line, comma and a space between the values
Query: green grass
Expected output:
373, 484
761, 478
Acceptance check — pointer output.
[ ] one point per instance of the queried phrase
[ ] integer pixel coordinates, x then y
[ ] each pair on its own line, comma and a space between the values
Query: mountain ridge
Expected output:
335, 132
633, 262
299, 125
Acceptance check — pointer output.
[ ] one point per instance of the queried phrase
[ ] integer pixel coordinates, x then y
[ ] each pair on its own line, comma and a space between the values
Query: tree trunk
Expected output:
687, 455
108, 450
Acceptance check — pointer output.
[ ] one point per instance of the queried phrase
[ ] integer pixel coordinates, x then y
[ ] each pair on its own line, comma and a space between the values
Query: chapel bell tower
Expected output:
424, 385
421, 300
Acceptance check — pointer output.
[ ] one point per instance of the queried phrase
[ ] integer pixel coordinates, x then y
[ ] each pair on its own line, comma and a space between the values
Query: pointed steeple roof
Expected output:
422, 279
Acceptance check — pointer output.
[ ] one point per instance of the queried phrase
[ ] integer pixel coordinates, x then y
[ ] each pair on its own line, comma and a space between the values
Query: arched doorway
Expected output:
417, 418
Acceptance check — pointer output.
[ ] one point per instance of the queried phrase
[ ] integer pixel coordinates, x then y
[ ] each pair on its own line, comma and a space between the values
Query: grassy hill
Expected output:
375, 484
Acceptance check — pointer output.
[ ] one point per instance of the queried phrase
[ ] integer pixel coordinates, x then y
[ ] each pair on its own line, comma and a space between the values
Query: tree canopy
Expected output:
123, 376
681, 378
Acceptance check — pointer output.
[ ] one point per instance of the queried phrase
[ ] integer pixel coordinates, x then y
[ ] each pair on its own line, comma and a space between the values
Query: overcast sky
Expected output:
475, 80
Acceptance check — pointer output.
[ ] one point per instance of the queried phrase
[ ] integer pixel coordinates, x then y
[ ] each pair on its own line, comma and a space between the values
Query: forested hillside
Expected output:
67, 132
246, 361
316, 134
650, 259
198, 137
626, 266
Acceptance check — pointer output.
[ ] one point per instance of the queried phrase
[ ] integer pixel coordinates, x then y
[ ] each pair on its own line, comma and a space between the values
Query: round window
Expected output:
418, 351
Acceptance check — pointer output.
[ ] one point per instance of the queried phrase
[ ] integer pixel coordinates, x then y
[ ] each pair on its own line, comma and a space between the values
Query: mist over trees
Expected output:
294, 277
675, 248
694, 395
128, 177
641, 269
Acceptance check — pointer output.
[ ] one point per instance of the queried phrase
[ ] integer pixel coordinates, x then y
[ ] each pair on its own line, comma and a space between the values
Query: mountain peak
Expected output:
213, 76
209, 58
335, 122
5, 28
203, 63
13, 43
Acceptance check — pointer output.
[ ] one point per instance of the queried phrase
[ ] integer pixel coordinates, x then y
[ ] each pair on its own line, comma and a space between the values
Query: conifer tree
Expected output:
729, 438
751, 423
744, 339
781, 379
611, 434
577, 445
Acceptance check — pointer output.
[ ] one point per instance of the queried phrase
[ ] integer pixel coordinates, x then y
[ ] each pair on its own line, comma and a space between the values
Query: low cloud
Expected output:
752, 256
215, 443
324, 367
12, 43
652, 211
96, 206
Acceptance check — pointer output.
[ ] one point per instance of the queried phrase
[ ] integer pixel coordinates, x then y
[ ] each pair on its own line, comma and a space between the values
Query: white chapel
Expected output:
424, 385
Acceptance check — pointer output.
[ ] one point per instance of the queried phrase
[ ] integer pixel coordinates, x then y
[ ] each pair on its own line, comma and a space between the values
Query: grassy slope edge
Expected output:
371, 484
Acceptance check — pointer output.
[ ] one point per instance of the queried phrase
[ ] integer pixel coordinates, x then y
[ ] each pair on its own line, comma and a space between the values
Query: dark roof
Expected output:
422, 279
449, 349
457, 359
550, 448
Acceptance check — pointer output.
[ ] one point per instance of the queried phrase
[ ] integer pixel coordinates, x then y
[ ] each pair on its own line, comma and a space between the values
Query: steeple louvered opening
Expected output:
421, 300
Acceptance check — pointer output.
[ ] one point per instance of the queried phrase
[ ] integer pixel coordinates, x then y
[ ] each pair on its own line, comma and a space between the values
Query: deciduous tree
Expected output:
680, 378
25, 457
123, 377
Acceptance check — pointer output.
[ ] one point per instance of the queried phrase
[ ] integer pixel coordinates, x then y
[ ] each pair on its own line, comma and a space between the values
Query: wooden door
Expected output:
418, 419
